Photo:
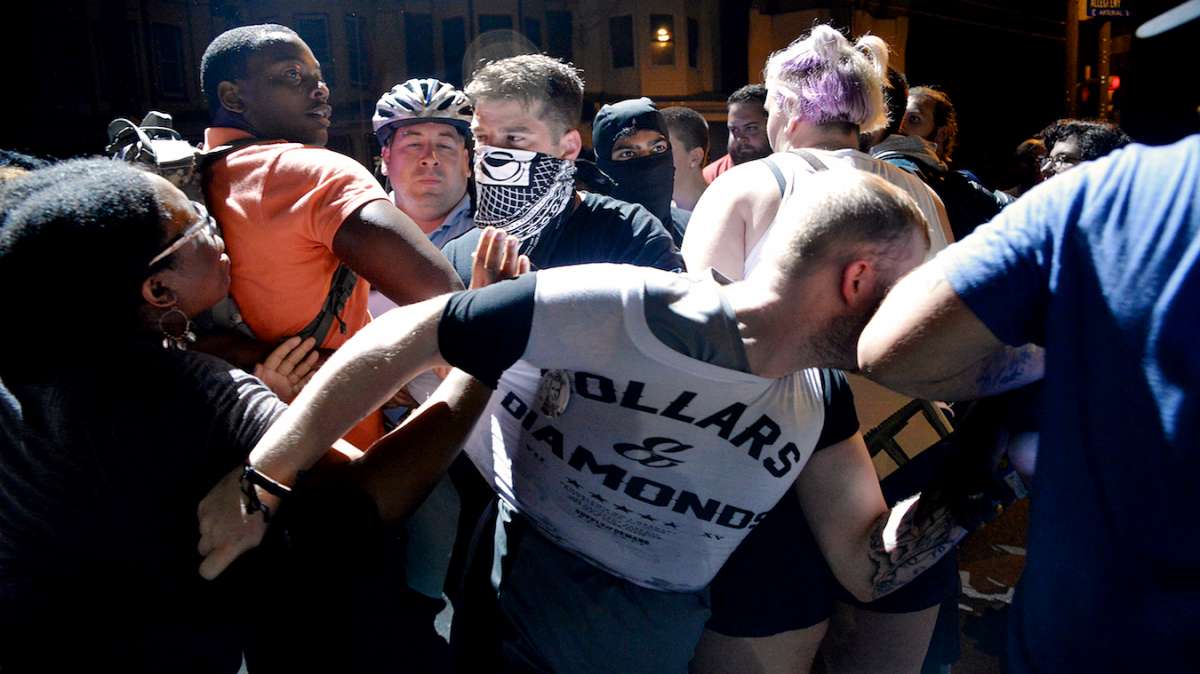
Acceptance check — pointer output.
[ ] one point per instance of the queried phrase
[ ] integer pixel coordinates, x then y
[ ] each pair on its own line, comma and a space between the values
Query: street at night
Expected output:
600, 336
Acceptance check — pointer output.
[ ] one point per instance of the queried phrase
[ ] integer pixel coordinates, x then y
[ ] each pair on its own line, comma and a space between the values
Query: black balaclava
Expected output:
648, 181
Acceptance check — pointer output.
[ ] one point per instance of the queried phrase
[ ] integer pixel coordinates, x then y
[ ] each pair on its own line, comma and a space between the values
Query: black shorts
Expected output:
778, 581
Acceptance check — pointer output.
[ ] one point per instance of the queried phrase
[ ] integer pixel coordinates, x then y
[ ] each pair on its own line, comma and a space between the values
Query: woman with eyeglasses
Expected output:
121, 431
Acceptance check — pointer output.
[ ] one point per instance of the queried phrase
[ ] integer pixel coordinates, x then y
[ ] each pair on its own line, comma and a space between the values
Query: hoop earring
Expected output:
176, 336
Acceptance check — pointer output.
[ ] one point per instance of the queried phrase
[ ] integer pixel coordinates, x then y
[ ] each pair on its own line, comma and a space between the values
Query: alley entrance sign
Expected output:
1107, 8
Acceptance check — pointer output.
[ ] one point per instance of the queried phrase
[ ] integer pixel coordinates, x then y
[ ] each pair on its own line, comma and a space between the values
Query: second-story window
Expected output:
533, 31
167, 43
314, 30
693, 43
620, 34
418, 44
495, 22
662, 40
454, 47
357, 51
559, 35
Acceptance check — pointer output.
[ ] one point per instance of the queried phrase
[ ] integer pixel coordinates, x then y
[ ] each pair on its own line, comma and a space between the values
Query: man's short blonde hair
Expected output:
533, 78
837, 216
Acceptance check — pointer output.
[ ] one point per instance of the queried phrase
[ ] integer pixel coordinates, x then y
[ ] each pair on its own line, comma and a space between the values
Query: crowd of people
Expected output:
612, 410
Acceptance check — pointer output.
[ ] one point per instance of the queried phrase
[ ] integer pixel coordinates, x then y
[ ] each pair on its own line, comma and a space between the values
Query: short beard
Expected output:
743, 156
836, 345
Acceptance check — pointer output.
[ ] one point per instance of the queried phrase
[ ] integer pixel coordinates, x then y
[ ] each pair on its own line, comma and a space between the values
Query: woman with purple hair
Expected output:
828, 83
822, 91
775, 599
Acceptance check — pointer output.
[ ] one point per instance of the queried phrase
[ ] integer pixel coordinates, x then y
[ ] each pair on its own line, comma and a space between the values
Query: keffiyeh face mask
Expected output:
520, 191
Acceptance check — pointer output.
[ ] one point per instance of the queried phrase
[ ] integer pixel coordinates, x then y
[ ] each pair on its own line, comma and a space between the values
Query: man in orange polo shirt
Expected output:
293, 211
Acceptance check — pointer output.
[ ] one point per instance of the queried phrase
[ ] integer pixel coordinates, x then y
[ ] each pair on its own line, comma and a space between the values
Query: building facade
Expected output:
125, 57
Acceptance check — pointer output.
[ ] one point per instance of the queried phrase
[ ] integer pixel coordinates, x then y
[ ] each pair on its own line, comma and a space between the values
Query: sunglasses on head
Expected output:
206, 224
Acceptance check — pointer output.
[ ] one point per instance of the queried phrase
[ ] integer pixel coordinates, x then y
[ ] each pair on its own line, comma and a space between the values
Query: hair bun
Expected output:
875, 49
828, 42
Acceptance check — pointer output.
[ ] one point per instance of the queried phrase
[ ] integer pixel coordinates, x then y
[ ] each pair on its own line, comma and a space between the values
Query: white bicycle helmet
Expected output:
421, 100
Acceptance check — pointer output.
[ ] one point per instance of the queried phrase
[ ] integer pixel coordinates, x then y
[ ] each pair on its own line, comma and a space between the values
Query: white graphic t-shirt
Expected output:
650, 464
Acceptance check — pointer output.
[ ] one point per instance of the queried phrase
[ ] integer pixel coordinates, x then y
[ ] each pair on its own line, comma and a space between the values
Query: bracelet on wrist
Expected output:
273, 487
251, 478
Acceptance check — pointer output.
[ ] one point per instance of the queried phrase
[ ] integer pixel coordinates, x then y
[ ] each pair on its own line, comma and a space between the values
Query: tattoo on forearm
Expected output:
1009, 368
914, 549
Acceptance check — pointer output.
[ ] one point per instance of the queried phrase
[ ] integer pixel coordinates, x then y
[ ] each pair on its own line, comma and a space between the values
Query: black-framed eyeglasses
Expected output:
205, 225
1061, 162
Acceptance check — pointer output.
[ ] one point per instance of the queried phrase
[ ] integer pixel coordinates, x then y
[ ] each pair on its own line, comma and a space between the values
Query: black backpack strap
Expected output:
908, 165
340, 290
782, 182
206, 159
344, 279
209, 157
775, 171
811, 158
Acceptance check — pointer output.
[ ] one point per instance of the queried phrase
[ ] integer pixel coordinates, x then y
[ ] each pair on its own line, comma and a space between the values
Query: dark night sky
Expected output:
1004, 70
1003, 62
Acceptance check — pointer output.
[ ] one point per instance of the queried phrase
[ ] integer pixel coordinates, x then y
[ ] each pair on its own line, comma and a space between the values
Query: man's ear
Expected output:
157, 293
858, 282
468, 163
570, 145
789, 129
230, 97
696, 157
385, 156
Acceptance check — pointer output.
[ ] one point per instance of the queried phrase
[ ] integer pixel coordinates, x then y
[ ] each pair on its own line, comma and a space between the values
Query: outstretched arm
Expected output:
369, 369
363, 373
384, 246
359, 377
397, 471
926, 342
872, 550
402, 468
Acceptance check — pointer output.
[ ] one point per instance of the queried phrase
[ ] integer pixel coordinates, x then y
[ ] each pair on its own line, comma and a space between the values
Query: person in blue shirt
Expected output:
424, 130
1091, 280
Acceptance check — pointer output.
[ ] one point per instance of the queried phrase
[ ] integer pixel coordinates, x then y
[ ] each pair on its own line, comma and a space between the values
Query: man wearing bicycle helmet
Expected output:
423, 126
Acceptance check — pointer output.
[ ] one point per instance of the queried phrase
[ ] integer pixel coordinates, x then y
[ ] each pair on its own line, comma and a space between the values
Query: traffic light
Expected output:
1089, 97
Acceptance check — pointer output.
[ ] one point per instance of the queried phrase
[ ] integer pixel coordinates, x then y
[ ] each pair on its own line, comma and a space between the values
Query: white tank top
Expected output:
792, 167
